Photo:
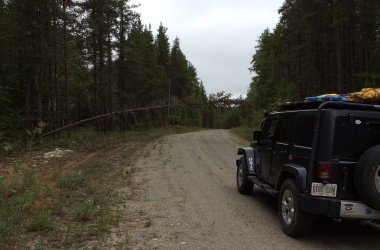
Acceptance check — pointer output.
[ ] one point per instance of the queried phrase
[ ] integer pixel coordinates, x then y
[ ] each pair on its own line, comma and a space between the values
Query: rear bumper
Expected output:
337, 208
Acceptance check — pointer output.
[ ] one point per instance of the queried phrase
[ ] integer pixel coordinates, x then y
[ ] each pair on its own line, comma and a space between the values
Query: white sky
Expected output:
217, 36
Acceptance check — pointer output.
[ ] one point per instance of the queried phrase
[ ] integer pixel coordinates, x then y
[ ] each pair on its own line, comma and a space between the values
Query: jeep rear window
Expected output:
304, 131
352, 139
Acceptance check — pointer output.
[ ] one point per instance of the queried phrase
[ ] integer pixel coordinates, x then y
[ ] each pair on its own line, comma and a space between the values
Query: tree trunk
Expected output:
95, 63
56, 74
102, 81
68, 121
338, 59
52, 99
27, 112
109, 80
38, 94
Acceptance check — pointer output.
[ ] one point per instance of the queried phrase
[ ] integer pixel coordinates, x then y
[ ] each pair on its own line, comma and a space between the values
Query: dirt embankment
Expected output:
187, 199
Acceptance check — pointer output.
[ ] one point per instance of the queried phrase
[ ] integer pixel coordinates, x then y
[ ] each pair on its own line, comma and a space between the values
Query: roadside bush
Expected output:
232, 118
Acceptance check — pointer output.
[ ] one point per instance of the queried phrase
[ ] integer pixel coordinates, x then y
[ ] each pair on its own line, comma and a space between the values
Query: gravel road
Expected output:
189, 200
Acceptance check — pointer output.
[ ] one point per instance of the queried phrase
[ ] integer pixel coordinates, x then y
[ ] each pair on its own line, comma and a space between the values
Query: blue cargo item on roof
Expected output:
327, 97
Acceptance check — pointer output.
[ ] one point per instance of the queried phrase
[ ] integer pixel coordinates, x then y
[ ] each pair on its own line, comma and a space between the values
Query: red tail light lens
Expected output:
324, 170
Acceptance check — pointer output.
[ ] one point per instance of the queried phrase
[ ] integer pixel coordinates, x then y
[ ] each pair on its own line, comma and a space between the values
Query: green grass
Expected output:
20, 208
70, 181
28, 206
40, 221
62, 207
244, 132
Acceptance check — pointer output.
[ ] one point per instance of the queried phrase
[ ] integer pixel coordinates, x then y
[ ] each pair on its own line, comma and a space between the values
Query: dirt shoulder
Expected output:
188, 200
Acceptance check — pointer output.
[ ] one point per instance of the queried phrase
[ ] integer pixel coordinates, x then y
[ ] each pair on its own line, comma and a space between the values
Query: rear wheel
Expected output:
367, 177
244, 186
294, 221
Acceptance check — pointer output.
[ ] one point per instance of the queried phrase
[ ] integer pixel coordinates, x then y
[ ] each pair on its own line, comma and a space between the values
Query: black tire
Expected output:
294, 221
367, 177
244, 186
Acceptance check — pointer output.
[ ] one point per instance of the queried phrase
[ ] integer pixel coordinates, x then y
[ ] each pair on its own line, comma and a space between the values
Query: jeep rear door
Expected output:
267, 146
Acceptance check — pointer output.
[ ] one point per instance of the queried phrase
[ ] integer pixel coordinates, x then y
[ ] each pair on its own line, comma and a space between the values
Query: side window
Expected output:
270, 129
286, 129
304, 131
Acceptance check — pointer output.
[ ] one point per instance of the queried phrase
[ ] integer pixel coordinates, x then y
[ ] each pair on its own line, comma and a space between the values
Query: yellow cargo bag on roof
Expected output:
367, 95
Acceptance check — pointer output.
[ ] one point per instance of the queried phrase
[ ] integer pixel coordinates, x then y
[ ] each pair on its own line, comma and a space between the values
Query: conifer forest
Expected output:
65, 61
318, 47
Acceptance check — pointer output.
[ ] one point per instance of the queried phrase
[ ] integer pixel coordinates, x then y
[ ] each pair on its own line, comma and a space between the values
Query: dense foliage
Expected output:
318, 47
65, 61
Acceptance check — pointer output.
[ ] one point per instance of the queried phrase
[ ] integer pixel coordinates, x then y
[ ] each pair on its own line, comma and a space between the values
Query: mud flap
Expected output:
250, 158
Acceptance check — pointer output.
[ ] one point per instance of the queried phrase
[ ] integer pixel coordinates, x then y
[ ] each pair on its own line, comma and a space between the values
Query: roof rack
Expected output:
312, 104
365, 96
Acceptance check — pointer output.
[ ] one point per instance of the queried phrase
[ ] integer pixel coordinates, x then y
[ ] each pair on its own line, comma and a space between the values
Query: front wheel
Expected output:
244, 186
294, 221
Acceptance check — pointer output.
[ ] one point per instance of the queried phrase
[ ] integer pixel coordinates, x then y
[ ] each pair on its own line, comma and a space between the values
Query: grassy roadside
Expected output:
244, 132
69, 202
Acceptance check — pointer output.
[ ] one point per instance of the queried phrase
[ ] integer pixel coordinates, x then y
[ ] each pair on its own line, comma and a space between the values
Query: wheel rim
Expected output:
287, 207
377, 179
240, 175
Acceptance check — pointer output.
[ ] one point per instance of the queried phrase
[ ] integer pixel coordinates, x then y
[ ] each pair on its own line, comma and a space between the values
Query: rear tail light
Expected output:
324, 170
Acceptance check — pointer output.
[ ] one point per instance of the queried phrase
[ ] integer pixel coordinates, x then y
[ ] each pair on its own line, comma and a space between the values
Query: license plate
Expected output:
326, 190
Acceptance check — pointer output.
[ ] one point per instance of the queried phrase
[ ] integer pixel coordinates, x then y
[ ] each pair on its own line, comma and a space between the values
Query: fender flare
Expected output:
249, 156
298, 172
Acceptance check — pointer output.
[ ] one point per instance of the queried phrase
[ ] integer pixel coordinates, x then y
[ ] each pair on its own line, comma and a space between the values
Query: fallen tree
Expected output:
220, 99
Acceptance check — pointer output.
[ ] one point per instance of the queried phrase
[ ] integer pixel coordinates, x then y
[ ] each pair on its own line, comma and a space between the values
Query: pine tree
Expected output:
100, 22
180, 86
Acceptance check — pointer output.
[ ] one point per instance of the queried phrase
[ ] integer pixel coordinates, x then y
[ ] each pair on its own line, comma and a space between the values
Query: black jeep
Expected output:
318, 158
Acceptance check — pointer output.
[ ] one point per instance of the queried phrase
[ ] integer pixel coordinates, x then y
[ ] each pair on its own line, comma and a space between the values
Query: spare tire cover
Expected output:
367, 177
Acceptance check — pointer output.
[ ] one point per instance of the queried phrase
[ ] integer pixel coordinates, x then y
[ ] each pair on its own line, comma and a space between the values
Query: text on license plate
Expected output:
320, 189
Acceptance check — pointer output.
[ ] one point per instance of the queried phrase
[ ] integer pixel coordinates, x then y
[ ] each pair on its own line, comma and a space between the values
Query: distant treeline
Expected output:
65, 61
318, 47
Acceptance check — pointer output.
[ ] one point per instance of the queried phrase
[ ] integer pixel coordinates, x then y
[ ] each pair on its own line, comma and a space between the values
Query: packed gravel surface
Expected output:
187, 199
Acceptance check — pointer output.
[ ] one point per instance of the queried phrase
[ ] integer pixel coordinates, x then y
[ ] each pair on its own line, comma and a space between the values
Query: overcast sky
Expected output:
217, 36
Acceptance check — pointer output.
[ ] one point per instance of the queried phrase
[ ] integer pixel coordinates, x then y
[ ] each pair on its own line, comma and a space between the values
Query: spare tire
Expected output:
367, 177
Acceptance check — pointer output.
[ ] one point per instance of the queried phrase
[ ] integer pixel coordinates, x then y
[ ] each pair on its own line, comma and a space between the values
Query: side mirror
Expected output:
257, 135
